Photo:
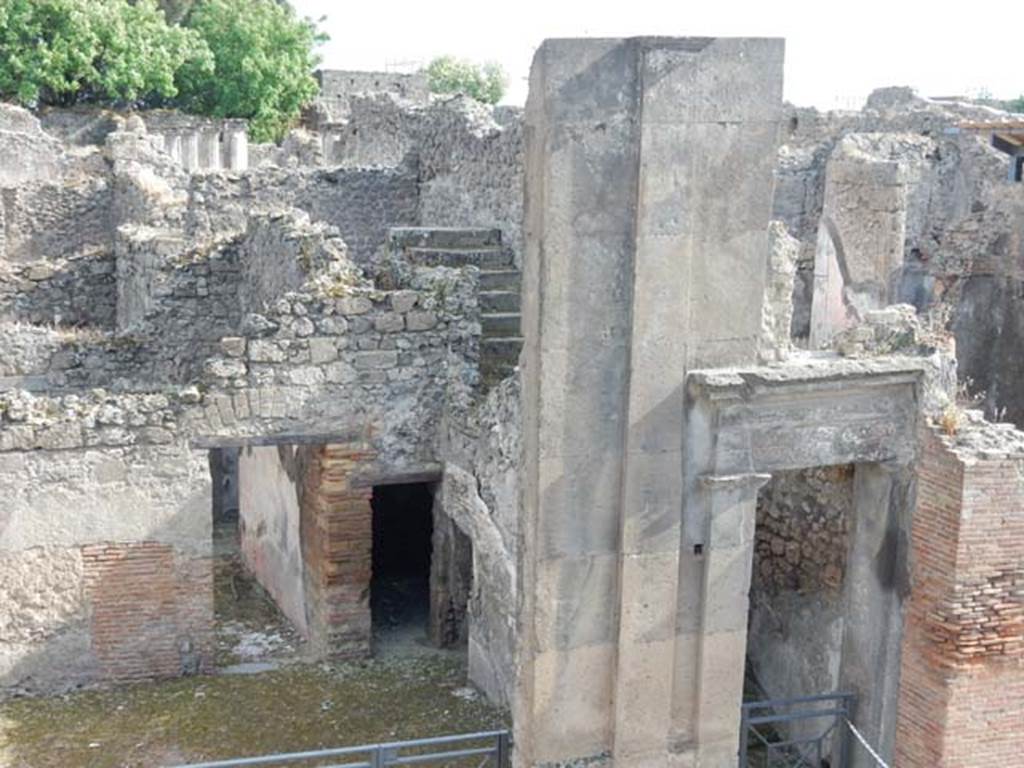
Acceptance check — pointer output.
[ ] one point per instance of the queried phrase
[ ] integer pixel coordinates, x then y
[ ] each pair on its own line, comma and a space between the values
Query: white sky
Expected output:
836, 52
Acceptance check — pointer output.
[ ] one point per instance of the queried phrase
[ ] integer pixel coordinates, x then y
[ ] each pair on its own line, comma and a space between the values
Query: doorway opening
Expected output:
259, 610
797, 608
403, 528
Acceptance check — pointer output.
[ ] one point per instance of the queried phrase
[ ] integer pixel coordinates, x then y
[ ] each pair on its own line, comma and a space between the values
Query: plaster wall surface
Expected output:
269, 496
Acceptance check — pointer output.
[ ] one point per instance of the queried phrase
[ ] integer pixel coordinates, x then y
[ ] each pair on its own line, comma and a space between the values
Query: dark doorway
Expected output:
400, 589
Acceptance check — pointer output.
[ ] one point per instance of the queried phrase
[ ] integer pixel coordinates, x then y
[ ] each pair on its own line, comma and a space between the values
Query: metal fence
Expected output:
808, 732
471, 750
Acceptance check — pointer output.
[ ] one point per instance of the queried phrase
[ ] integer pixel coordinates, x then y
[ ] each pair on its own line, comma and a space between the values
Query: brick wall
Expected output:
962, 678
337, 543
152, 610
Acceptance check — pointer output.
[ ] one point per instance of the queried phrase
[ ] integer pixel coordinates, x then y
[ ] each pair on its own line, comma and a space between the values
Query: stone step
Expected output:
499, 357
490, 375
500, 280
484, 258
504, 349
445, 238
499, 301
500, 324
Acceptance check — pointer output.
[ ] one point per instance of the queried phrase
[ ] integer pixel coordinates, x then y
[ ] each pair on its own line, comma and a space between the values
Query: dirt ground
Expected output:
267, 695
297, 707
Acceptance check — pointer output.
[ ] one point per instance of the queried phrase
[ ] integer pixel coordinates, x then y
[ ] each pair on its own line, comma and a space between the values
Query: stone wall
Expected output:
470, 166
981, 257
337, 87
471, 171
451, 581
78, 290
480, 494
962, 677
26, 152
943, 173
361, 202
51, 220
104, 544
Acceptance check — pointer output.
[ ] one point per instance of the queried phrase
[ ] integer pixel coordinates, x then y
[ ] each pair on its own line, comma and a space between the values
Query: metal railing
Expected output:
475, 750
796, 733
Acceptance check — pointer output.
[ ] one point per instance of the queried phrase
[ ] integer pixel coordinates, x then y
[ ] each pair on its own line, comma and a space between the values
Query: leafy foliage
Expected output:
262, 64
176, 10
226, 58
111, 51
1014, 105
485, 82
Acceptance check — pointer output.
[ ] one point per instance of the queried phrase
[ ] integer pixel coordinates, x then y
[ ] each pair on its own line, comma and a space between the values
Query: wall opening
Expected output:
260, 615
796, 619
400, 588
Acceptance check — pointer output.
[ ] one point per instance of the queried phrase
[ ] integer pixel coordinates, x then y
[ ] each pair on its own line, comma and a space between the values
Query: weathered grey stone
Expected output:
403, 301
390, 323
261, 351
354, 305
375, 359
322, 350
420, 321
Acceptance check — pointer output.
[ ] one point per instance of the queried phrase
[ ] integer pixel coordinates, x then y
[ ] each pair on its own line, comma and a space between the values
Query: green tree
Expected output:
109, 51
263, 64
1014, 105
483, 82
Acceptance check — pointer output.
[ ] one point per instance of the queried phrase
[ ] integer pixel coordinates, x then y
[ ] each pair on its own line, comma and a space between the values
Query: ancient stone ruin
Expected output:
666, 390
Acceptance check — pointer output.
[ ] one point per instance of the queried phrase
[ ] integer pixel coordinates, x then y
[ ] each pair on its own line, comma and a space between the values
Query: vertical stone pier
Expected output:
236, 145
648, 195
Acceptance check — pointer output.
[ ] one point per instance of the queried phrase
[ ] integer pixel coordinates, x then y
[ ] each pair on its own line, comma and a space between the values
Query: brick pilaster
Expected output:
337, 535
962, 676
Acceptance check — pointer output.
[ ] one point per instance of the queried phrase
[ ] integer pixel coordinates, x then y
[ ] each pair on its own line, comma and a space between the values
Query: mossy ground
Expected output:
298, 707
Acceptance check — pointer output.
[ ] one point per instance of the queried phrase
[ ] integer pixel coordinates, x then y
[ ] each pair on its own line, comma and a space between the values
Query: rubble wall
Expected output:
77, 290
361, 202
470, 166
50, 220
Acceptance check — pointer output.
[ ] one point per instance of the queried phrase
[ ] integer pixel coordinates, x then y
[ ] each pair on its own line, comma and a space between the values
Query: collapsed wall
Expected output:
217, 317
901, 203
177, 306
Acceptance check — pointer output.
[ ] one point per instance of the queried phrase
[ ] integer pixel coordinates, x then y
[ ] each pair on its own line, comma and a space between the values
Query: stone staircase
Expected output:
500, 280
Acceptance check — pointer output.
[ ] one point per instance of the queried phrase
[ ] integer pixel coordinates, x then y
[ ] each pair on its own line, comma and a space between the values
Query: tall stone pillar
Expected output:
209, 149
172, 145
648, 194
190, 150
236, 143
